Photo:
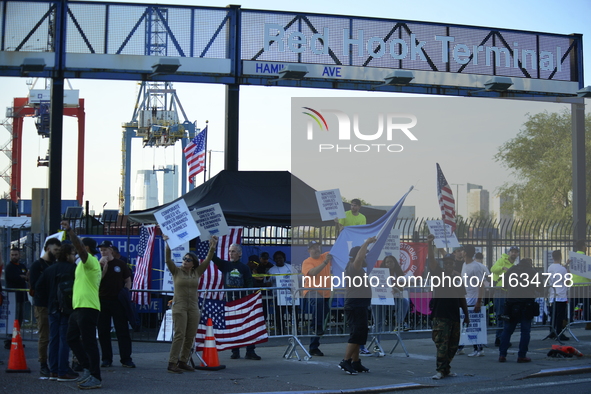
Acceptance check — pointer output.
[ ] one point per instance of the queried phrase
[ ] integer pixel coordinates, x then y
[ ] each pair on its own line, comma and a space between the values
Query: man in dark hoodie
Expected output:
52, 287
51, 248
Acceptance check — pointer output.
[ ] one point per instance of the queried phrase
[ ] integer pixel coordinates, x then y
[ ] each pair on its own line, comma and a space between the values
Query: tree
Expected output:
540, 157
363, 202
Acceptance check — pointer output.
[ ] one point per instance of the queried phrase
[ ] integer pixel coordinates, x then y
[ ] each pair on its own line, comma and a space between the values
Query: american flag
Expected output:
195, 154
244, 323
141, 279
446, 200
213, 278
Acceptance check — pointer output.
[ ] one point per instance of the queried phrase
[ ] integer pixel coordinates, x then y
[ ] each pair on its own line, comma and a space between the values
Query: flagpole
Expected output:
205, 168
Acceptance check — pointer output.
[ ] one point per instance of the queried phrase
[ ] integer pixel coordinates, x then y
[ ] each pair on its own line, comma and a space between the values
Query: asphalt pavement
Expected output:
275, 373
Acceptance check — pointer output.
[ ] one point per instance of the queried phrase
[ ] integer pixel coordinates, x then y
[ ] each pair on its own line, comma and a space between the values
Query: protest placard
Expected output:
285, 297
444, 238
177, 255
175, 222
211, 221
392, 245
381, 294
330, 204
475, 332
580, 264
165, 332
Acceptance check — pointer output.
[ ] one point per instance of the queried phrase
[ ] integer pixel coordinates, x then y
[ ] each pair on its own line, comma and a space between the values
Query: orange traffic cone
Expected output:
210, 358
17, 361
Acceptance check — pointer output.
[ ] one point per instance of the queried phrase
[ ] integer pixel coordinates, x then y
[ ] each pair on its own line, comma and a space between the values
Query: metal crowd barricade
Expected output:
8, 315
578, 308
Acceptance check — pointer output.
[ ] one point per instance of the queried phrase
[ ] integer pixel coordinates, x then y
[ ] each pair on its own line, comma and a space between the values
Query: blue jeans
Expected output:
58, 346
499, 305
402, 306
318, 307
508, 331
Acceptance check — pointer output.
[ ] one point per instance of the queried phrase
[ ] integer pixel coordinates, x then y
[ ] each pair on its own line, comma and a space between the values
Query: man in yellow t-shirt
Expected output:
81, 335
352, 217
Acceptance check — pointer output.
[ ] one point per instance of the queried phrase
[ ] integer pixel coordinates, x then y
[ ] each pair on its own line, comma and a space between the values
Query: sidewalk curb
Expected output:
377, 389
560, 371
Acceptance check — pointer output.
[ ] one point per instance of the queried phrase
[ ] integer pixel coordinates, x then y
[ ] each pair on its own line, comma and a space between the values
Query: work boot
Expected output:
173, 368
185, 367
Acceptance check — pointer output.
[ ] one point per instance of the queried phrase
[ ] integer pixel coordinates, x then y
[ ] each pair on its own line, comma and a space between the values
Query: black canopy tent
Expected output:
256, 199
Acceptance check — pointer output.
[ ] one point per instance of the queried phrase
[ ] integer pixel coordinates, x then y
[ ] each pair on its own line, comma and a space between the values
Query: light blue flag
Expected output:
352, 236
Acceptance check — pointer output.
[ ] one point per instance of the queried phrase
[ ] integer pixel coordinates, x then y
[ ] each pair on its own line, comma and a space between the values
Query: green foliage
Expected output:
540, 158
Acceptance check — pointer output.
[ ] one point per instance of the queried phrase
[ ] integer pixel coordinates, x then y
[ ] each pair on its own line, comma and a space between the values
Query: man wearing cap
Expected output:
81, 335
445, 312
317, 274
521, 307
502, 265
115, 276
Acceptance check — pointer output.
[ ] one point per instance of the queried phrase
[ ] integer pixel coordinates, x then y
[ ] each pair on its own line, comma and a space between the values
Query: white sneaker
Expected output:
460, 352
437, 376
475, 353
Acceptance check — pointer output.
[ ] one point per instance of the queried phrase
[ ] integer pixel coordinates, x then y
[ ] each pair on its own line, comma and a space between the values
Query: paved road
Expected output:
321, 374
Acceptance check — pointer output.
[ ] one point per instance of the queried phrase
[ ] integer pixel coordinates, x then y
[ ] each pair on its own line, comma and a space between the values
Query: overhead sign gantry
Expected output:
235, 46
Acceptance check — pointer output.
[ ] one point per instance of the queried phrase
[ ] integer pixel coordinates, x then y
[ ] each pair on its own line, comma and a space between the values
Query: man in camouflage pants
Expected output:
445, 311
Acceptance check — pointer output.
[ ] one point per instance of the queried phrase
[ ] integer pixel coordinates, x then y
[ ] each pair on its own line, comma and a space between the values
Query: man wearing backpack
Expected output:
83, 320
51, 247
55, 286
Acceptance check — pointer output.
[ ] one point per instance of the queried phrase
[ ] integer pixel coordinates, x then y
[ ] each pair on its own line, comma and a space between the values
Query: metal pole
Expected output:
578, 163
57, 120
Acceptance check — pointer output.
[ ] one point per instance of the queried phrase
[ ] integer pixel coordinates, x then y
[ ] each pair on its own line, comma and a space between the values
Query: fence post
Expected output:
489, 250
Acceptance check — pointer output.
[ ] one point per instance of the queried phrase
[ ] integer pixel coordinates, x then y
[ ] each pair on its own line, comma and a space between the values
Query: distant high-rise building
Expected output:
477, 200
170, 183
146, 190
501, 207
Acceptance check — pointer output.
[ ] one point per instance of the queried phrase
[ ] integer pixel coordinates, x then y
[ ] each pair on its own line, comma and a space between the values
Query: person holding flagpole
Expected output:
185, 305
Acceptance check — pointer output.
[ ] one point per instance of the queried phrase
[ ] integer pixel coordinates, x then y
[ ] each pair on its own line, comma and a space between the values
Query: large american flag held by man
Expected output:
446, 200
143, 269
195, 154
236, 323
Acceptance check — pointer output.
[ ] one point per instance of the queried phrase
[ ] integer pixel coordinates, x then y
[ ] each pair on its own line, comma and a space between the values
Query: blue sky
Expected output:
267, 109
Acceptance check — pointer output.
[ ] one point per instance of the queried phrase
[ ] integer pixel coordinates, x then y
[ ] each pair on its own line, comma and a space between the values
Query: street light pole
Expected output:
458, 196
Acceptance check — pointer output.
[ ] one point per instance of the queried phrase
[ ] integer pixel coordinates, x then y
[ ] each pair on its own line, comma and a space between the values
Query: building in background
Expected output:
146, 190
478, 201
170, 183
